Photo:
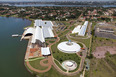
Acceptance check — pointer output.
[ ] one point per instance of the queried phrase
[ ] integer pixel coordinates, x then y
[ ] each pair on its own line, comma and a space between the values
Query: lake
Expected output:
12, 51
51, 5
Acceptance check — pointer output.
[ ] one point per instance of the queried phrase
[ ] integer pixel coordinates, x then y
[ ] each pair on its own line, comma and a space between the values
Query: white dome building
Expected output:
69, 47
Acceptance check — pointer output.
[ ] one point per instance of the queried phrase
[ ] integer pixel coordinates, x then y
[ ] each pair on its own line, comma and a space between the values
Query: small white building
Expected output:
45, 51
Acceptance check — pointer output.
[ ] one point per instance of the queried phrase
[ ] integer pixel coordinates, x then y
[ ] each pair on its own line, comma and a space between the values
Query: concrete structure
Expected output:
69, 65
29, 31
81, 29
69, 47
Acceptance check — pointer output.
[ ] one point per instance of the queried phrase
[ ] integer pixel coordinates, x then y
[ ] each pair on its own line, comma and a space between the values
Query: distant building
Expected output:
105, 33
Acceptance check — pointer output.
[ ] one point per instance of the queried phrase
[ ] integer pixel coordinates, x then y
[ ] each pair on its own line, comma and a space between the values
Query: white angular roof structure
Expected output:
47, 32
77, 29
43, 23
81, 29
38, 35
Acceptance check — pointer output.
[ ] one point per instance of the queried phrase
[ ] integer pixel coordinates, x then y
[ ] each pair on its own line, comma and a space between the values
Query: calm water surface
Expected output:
50, 5
12, 51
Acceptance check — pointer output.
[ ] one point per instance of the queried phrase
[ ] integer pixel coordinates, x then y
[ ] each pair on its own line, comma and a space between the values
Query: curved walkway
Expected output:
51, 61
43, 64
61, 71
36, 70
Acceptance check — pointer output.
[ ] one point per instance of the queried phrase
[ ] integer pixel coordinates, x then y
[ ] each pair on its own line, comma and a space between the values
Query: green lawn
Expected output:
59, 65
60, 56
36, 64
54, 73
99, 41
101, 66
85, 41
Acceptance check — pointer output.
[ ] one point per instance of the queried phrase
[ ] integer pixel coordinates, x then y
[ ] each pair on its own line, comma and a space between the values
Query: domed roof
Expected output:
69, 47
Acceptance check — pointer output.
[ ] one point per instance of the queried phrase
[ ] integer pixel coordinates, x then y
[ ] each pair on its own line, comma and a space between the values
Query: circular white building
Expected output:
69, 47
69, 65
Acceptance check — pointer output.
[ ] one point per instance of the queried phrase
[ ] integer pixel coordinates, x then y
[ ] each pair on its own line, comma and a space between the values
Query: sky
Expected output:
56, 0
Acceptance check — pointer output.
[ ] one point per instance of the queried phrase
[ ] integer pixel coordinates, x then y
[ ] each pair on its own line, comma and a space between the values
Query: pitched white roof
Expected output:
38, 35
43, 23
83, 29
47, 32
42, 30
45, 50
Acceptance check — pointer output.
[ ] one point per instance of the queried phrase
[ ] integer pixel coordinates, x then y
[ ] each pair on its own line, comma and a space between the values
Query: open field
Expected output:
102, 50
103, 67
98, 41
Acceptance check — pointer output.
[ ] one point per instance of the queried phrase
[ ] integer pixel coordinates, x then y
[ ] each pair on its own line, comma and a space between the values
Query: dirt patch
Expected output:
101, 51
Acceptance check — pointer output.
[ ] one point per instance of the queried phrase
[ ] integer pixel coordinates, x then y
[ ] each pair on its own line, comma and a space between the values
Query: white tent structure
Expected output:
47, 32
45, 51
38, 35
69, 47
39, 22
40, 31
46, 27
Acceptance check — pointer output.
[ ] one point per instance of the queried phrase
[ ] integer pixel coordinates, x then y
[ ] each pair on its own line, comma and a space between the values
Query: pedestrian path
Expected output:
34, 59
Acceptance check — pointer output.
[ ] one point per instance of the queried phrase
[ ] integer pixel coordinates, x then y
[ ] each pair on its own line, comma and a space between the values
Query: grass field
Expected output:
99, 41
85, 41
59, 65
36, 64
103, 67
54, 73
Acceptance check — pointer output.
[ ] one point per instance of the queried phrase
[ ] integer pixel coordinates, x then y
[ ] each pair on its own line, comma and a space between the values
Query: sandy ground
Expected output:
101, 51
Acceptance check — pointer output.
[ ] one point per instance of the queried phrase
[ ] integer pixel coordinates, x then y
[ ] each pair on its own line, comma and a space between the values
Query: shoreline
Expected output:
27, 45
